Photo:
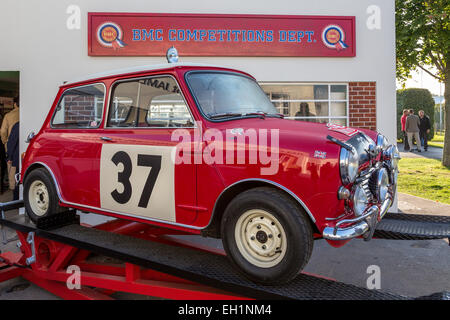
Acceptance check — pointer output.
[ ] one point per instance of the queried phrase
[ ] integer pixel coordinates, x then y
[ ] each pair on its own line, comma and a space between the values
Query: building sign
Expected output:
140, 34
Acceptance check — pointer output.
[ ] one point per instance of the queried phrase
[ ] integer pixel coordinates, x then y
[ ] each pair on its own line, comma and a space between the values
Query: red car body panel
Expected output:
73, 157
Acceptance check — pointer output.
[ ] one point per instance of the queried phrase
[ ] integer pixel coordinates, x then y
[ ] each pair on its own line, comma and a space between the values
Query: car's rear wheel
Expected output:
39, 195
267, 235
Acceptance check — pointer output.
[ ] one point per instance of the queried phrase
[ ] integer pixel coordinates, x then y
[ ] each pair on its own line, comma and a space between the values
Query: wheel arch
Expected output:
37, 165
213, 228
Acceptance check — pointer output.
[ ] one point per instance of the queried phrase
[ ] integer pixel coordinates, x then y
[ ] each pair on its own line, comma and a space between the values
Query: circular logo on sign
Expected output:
333, 37
110, 34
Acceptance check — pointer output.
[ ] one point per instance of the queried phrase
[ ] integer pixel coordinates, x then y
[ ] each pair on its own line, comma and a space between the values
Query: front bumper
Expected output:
362, 226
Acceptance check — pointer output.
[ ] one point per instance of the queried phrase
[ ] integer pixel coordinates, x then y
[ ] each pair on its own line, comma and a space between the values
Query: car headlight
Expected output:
349, 164
382, 141
360, 200
379, 184
392, 157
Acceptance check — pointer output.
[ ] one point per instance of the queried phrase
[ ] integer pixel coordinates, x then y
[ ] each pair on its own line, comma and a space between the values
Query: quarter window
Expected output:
149, 102
310, 102
80, 107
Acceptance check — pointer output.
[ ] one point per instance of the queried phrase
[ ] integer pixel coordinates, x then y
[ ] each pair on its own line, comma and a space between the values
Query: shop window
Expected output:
310, 102
80, 107
151, 102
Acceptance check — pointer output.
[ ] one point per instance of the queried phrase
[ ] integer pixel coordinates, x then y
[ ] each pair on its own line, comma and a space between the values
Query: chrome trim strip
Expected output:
333, 219
266, 181
51, 173
110, 211
135, 216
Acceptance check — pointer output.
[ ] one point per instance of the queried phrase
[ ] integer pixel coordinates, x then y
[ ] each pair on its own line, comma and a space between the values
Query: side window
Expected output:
80, 107
150, 102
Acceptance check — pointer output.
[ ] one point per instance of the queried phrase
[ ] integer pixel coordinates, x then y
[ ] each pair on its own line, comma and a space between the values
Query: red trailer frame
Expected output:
52, 259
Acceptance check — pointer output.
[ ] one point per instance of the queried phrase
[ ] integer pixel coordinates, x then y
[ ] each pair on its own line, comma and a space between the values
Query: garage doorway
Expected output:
9, 92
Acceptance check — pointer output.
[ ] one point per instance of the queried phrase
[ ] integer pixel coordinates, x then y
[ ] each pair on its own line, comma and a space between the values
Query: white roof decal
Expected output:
136, 69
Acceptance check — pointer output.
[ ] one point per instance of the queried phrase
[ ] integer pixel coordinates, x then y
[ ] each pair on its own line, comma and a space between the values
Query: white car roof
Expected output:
136, 69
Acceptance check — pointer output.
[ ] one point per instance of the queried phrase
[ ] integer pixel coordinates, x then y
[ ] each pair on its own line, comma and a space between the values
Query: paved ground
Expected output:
431, 153
412, 204
413, 268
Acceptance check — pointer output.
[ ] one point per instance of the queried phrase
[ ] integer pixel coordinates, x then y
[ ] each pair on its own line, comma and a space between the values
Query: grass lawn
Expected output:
438, 141
436, 144
438, 137
425, 178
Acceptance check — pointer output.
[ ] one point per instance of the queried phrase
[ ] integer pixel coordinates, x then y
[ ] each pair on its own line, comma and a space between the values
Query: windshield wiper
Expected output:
266, 114
278, 115
224, 115
257, 113
261, 114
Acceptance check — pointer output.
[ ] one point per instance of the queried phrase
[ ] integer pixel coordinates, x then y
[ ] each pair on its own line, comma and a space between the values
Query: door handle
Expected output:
106, 138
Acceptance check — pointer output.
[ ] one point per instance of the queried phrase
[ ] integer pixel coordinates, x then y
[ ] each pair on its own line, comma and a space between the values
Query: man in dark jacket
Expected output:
424, 127
13, 157
412, 130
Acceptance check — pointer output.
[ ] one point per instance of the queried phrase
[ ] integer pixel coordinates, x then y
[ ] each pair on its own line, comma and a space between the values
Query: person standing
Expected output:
13, 159
303, 112
3, 165
424, 128
412, 130
9, 120
403, 122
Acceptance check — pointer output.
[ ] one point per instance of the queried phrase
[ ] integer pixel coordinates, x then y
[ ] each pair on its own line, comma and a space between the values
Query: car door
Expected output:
138, 175
70, 146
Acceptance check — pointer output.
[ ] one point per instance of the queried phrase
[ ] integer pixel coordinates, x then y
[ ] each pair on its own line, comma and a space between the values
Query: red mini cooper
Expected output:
202, 149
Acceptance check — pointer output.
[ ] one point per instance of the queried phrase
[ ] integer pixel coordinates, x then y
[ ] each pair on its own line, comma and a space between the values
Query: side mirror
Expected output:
30, 137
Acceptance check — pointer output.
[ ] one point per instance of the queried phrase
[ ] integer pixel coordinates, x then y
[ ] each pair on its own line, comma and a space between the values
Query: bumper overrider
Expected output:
365, 224
361, 226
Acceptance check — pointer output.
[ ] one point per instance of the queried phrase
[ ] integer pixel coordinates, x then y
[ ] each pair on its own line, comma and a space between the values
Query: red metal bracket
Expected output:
53, 259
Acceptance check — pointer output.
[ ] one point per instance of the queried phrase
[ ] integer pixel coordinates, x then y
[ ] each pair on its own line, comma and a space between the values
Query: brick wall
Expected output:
78, 108
363, 105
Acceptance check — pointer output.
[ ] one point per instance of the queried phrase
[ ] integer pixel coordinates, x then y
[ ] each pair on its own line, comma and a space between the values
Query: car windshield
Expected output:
228, 95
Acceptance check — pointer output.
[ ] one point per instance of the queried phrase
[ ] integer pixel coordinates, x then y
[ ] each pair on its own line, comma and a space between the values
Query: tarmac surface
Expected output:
411, 268
431, 153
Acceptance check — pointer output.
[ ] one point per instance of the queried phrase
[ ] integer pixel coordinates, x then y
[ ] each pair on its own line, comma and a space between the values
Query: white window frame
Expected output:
329, 100
61, 100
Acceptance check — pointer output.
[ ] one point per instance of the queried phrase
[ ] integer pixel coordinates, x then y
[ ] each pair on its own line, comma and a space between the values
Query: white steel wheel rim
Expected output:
260, 238
38, 198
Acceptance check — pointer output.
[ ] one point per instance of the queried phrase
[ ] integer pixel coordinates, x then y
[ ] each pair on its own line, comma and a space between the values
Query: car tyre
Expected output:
267, 235
40, 196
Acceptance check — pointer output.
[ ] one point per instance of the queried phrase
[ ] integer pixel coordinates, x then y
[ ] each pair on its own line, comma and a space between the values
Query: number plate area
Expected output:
138, 180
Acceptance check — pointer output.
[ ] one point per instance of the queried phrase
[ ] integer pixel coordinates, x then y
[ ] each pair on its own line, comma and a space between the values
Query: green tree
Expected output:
423, 39
416, 99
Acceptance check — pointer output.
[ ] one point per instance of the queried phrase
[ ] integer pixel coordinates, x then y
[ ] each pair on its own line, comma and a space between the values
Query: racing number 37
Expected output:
123, 177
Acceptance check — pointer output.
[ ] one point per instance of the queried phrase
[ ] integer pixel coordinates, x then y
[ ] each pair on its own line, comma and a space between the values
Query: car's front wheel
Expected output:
39, 195
267, 235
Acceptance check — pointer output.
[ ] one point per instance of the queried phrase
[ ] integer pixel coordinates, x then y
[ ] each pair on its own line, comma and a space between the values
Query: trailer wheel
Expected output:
39, 195
267, 235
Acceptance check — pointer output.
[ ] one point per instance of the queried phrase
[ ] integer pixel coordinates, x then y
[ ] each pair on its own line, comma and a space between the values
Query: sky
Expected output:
421, 79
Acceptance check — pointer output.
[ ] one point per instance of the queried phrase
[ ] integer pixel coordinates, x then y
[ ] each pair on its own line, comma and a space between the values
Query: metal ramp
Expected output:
213, 270
402, 226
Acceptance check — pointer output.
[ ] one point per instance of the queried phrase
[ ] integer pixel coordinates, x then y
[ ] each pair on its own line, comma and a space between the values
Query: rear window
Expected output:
80, 108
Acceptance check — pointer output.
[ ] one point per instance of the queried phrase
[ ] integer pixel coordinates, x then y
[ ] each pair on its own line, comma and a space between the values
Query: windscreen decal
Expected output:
342, 129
